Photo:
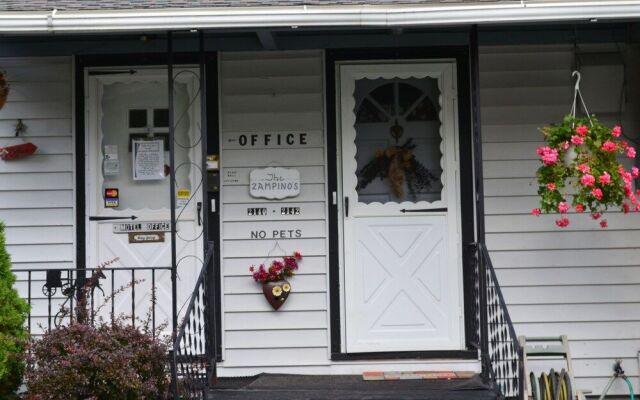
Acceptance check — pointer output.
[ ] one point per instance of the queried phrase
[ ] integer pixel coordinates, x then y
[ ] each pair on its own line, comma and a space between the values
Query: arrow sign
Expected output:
93, 218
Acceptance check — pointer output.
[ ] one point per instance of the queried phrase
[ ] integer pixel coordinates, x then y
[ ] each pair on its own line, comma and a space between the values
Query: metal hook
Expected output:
577, 73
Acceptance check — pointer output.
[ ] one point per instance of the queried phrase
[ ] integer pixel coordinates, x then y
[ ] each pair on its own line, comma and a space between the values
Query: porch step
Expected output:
347, 387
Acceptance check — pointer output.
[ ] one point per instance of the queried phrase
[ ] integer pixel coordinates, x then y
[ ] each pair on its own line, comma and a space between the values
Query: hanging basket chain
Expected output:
578, 94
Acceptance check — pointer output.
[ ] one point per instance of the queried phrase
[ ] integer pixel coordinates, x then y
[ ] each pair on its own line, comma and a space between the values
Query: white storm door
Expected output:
123, 110
400, 207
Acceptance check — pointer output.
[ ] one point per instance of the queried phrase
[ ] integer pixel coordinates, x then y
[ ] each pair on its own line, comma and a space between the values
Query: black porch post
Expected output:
479, 193
172, 182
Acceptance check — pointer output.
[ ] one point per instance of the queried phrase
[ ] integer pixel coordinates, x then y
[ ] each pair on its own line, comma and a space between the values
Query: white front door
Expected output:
127, 167
401, 250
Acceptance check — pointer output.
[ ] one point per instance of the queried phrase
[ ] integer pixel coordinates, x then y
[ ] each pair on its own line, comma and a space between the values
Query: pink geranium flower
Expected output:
563, 207
616, 131
551, 186
575, 139
548, 155
582, 130
609, 146
579, 208
605, 178
536, 212
635, 172
604, 223
587, 180
584, 168
562, 222
631, 152
565, 145
597, 193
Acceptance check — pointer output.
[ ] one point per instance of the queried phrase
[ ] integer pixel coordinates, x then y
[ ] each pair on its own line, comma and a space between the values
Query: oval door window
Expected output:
398, 140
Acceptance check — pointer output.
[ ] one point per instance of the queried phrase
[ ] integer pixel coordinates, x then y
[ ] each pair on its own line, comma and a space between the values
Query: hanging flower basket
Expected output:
580, 170
4, 89
275, 287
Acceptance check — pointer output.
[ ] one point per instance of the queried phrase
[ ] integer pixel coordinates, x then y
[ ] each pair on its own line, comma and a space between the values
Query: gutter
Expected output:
524, 11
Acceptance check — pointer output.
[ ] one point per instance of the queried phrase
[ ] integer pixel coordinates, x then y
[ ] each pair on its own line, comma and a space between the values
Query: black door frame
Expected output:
461, 55
81, 63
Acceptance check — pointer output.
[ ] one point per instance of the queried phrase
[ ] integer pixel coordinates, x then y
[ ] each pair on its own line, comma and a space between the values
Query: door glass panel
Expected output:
398, 140
136, 112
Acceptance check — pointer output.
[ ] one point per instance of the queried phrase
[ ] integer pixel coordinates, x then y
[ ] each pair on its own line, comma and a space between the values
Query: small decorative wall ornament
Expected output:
275, 287
17, 151
4, 88
580, 168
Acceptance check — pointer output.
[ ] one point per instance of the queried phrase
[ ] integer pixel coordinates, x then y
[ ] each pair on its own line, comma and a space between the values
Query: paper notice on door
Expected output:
148, 160
182, 198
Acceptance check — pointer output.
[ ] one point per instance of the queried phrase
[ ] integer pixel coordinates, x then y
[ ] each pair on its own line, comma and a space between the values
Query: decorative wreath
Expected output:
398, 163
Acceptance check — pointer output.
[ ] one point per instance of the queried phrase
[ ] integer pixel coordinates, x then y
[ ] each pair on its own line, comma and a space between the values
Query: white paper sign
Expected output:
148, 160
274, 183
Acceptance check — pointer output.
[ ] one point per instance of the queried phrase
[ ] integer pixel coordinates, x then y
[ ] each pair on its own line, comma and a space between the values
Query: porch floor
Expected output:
347, 387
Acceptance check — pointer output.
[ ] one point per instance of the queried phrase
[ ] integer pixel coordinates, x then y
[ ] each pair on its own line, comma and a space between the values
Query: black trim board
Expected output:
407, 355
461, 55
156, 59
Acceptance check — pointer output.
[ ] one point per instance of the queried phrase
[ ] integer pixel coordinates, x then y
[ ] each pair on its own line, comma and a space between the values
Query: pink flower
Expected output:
565, 145
582, 130
579, 208
562, 222
584, 168
540, 150
635, 172
631, 152
563, 207
297, 255
588, 180
609, 146
597, 193
536, 212
551, 186
624, 144
549, 155
575, 139
603, 223
625, 208
616, 131
605, 178
595, 215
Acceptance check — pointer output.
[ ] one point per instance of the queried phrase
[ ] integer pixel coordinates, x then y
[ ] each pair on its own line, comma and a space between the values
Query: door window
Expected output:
140, 173
398, 142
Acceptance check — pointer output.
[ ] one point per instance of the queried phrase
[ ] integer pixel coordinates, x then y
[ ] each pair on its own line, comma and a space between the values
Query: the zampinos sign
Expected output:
274, 183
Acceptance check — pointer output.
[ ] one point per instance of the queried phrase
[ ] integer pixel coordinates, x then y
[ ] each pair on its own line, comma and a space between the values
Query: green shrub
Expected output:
13, 336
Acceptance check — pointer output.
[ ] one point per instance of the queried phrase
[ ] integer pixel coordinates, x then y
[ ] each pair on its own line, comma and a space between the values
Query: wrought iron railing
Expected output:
52, 294
495, 336
193, 357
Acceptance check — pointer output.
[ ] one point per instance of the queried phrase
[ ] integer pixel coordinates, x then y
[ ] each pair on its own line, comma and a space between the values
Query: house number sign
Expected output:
274, 183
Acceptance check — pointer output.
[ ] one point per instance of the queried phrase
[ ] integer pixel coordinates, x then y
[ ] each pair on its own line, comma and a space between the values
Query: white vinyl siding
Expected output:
37, 193
272, 92
582, 281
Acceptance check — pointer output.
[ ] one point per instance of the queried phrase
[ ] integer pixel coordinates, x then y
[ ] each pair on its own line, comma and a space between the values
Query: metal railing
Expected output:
193, 357
52, 295
501, 353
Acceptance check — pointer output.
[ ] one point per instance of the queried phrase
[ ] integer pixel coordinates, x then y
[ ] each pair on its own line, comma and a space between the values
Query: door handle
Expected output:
346, 206
199, 207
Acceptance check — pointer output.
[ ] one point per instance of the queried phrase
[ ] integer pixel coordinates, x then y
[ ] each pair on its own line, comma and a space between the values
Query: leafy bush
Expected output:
13, 337
105, 361
98, 360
